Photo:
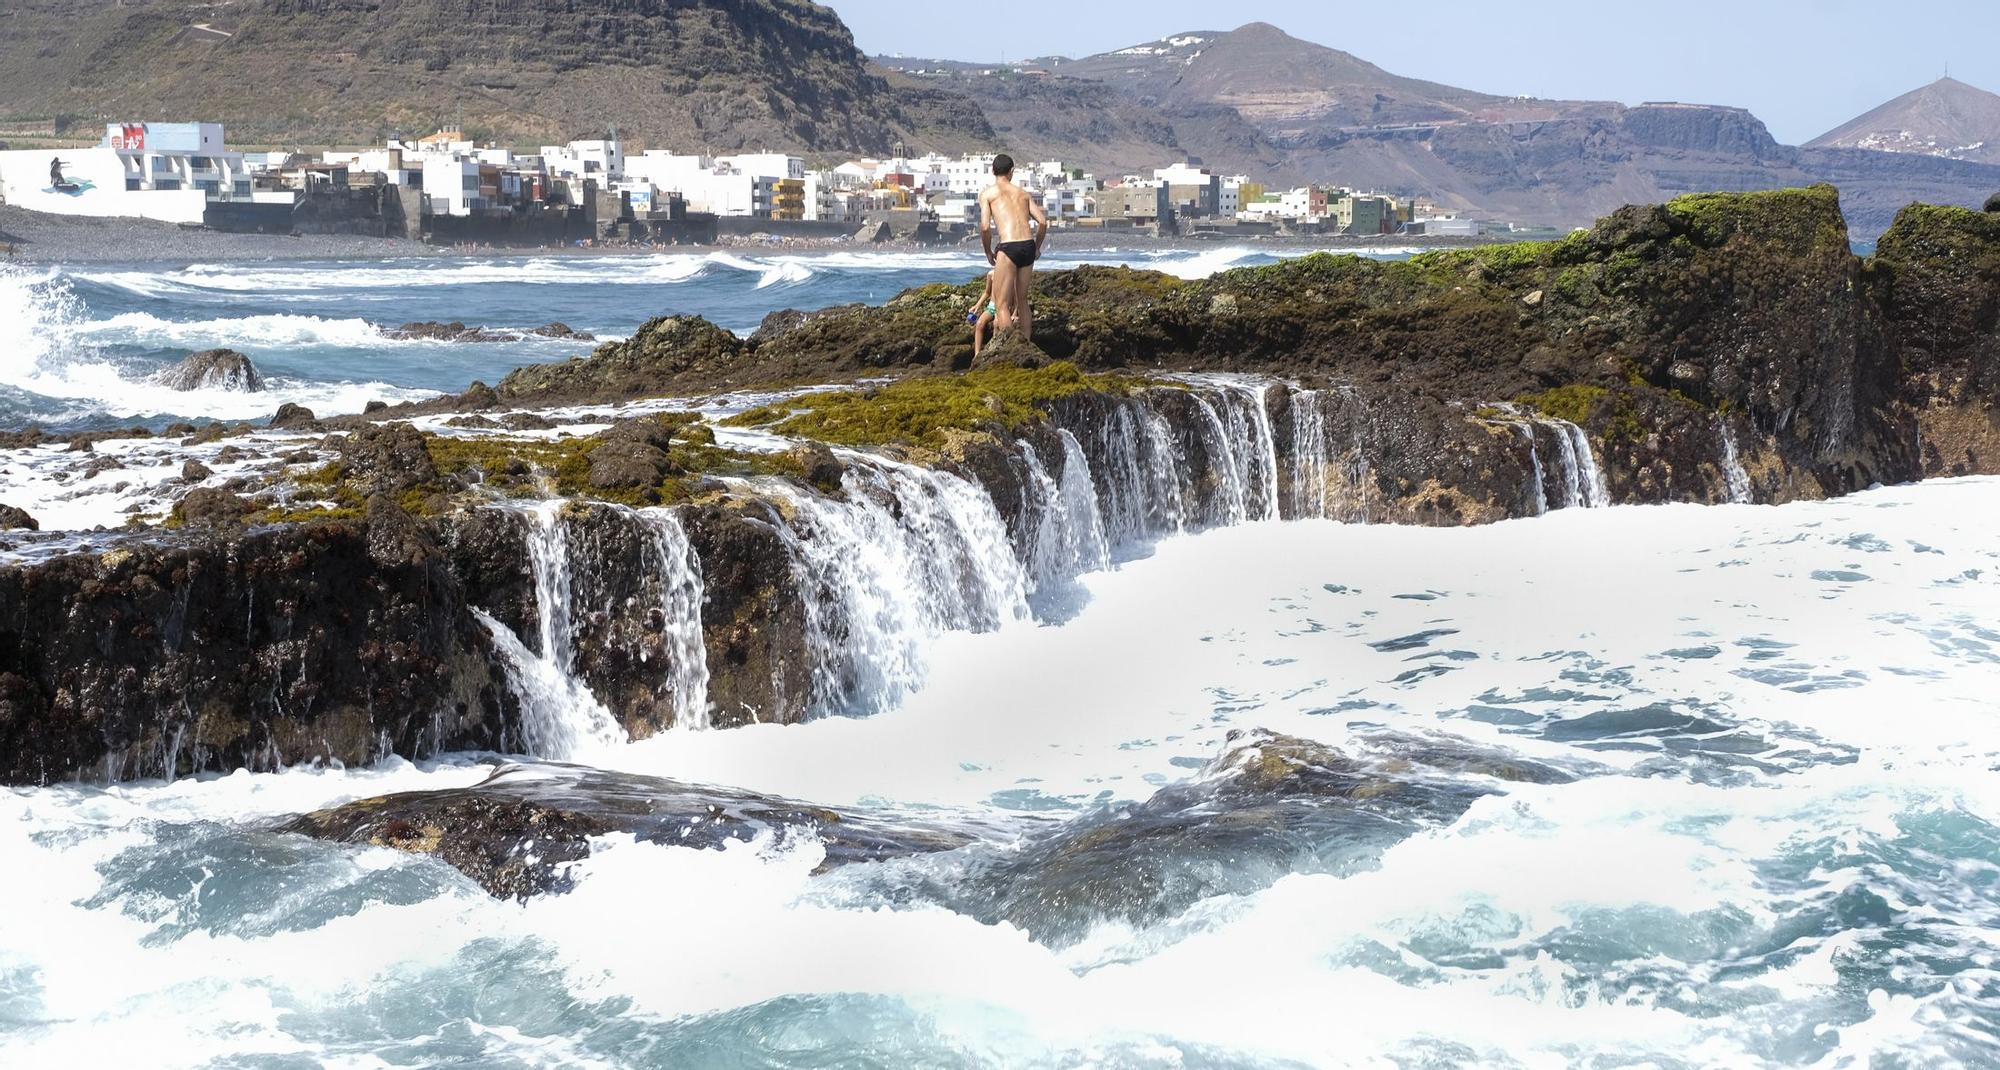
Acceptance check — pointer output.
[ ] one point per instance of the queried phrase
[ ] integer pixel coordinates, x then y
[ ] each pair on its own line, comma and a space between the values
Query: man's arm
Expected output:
986, 225
1041, 218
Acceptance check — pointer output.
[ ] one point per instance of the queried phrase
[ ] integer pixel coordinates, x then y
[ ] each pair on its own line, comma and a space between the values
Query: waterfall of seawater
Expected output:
680, 604
1064, 527
1580, 482
1309, 455
1734, 477
560, 718
907, 554
1142, 483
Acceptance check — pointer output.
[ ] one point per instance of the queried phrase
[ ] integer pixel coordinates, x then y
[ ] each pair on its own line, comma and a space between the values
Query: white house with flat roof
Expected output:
164, 171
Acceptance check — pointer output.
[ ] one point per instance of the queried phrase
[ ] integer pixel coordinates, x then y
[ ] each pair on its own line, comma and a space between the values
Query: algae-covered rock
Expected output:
212, 506
387, 458
661, 352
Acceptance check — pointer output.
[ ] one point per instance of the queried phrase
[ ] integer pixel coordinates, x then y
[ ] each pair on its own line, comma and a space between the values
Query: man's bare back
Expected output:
1010, 210
1005, 205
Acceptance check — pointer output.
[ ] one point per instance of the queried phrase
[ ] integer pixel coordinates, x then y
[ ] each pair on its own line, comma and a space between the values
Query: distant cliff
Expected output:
715, 74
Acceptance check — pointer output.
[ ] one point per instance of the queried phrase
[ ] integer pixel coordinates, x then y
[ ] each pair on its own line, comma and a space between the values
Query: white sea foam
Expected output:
317, 279
1779, 851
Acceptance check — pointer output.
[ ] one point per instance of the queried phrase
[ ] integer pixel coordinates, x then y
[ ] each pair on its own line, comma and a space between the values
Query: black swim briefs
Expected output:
1022, 253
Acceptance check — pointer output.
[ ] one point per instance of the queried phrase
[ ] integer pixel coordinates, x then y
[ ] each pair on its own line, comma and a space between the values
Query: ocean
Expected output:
1639, 786
80, 344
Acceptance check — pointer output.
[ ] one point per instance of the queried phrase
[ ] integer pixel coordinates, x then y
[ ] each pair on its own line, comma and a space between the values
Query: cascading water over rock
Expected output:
906, 554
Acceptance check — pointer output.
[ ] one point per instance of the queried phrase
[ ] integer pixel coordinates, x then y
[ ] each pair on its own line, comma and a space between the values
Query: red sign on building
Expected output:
131, 137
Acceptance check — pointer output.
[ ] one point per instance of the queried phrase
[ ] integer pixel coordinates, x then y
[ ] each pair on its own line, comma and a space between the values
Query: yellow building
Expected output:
788, 199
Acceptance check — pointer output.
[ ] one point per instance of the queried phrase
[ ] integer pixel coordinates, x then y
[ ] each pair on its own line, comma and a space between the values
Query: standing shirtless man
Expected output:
1008, 208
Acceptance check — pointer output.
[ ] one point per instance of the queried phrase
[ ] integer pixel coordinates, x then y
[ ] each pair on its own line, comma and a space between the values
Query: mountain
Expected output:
717, 74
1945, 118
1263, 103
1288, 87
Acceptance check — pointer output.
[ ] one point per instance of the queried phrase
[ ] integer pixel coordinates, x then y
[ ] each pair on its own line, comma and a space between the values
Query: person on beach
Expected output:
981, 314
1023, 227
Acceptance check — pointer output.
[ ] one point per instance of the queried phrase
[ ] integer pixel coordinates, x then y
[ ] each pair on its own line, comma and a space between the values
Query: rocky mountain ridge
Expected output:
717, 74
1288, 110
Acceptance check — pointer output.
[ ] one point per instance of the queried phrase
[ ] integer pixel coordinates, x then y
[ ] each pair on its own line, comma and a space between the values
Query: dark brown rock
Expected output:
516, 832
220, 648
387, 458
211, 507
14, 518
194, 471
294, 417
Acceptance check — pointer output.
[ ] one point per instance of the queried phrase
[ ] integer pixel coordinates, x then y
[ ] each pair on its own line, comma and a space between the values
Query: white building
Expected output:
707, 183
451, 184
1181, 174
601, 160
1230, 200
957, 208
1453, 226
766, 164
165, 171
1064, 202
1270, 210
1296, 205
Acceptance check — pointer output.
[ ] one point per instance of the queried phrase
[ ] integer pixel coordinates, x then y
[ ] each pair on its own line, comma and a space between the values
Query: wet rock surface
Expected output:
1270, 805
213, 369
434, 331
224, 648
516, 832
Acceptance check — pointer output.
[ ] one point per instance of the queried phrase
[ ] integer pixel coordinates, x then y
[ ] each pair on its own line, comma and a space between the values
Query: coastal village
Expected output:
450, 189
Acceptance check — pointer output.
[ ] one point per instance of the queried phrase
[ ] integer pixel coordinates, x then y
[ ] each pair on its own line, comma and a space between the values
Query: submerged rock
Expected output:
517, 831
1268, 806
212, 369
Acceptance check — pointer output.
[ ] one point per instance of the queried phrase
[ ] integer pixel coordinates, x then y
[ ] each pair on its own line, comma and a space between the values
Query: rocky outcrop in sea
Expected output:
571, 555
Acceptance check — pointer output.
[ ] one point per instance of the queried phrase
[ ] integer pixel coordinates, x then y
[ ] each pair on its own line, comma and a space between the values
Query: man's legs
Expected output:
1024, 310
1004, 274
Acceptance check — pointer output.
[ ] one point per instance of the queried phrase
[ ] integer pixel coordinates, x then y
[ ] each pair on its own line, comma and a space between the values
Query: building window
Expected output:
201, 163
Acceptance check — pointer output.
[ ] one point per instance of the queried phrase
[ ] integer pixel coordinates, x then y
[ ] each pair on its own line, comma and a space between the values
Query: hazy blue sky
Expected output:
1804, 66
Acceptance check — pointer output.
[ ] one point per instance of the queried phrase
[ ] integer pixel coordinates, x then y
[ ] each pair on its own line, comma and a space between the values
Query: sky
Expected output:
1803, 66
